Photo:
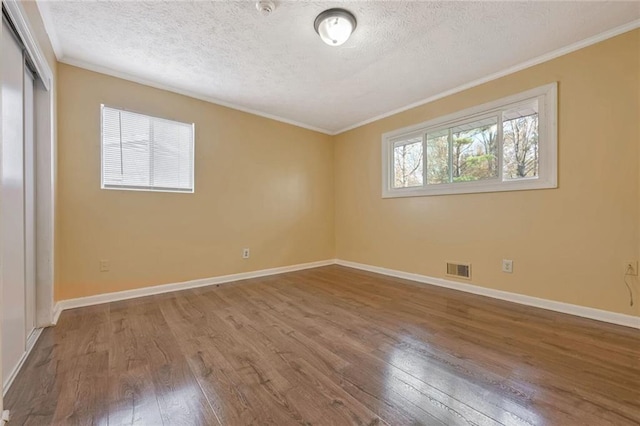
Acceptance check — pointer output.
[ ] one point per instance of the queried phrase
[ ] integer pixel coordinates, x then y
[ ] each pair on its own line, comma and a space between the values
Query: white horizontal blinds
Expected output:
172, 164
126, 149
147, 153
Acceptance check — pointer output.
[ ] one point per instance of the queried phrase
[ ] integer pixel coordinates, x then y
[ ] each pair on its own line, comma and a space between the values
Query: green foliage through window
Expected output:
471, 151
507, 144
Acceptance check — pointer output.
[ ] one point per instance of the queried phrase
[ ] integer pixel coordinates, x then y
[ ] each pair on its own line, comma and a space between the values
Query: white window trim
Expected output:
547, 97
145, 188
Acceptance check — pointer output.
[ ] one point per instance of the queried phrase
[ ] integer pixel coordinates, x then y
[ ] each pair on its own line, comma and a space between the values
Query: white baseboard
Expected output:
166, 288
57, 310
30, 344
565, 308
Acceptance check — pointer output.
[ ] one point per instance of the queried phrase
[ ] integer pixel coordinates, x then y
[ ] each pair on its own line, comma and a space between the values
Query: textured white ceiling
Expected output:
401, 52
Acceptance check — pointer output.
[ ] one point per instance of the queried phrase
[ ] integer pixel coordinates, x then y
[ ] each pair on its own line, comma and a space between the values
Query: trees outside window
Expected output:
509, 144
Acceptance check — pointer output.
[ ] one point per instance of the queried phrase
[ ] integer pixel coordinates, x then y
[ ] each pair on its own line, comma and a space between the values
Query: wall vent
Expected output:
459, 270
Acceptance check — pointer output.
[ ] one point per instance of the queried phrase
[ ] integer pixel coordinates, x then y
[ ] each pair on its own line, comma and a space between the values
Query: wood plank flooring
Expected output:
327, 346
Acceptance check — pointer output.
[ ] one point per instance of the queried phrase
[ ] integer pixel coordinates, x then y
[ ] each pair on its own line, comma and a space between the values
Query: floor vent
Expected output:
459, 270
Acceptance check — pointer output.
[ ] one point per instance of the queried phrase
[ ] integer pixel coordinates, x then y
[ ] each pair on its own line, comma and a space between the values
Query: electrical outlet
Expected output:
507, 266
104, 266
245, 253
631, 268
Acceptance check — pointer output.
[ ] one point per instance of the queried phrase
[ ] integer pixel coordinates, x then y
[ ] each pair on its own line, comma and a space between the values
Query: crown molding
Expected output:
513, 69
125, 76
57, 46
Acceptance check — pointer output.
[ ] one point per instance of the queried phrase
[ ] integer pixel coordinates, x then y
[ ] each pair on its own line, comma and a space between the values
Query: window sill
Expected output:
147, 189
471, 188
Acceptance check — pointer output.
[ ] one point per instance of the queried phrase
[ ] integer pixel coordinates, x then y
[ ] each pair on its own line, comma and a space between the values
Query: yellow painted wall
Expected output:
568, 244
259, 183
272, 187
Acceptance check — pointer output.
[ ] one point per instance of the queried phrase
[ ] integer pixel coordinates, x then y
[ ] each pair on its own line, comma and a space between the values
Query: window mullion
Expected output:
499, 142
151, 153
391, 165
424, 159
450, 140
121, 150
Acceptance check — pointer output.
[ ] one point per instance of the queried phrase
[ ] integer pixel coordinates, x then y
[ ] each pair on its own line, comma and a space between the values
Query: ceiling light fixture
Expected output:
334, 26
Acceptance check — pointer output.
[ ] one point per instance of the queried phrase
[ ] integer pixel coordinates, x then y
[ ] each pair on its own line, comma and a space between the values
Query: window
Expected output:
506, 145
141, 152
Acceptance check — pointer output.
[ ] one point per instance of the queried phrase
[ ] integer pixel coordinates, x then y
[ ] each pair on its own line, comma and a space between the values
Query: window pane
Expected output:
407, 160
145, 152
506, 145
112, 166
438, 157
126, 148
172, 155
475, 150
520, 146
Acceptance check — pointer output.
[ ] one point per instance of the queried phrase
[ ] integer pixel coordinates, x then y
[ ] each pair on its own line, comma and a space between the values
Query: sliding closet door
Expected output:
12, 218
29, 204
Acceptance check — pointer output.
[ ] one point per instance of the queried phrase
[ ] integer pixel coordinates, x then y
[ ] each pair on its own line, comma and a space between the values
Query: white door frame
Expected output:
45, 162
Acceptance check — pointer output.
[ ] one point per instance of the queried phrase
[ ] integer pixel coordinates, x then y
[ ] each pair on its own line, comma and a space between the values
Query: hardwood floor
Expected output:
327, 346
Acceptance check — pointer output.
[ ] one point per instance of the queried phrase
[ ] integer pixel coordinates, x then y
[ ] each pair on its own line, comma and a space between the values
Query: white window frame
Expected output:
547, 97
145, 188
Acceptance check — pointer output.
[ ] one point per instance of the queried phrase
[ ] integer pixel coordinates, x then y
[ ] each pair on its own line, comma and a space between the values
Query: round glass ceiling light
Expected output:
334, 26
